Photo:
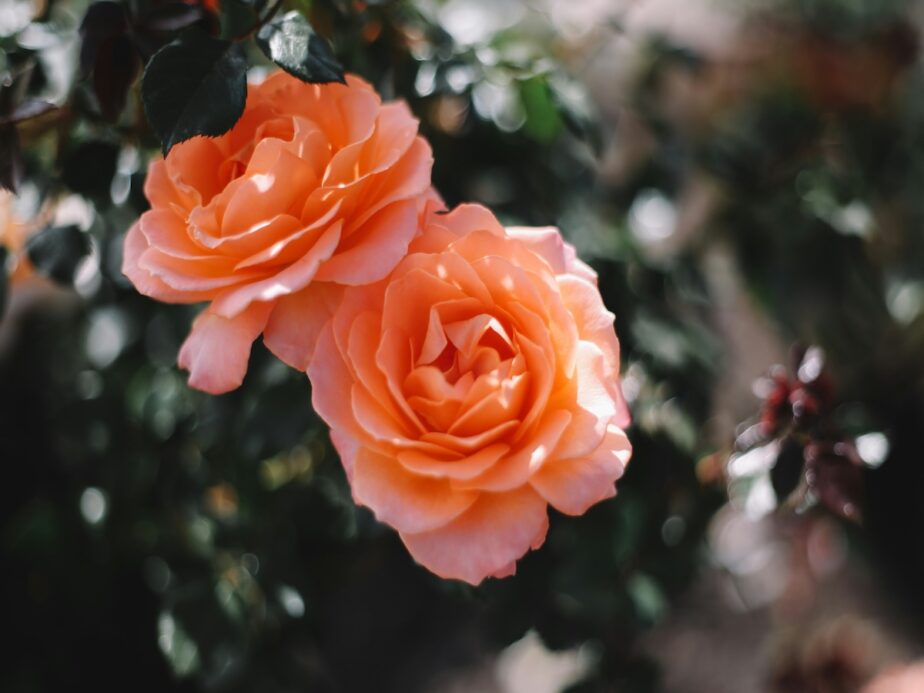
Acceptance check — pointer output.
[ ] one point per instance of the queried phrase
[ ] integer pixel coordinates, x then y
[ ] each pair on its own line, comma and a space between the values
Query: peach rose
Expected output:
473, 387
315, 185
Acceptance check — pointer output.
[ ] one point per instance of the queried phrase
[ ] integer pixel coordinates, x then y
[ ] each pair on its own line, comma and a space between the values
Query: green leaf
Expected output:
543, 123
237, 18
56, 252
196, 85
291, 42
89, 169
180, 649
647, 597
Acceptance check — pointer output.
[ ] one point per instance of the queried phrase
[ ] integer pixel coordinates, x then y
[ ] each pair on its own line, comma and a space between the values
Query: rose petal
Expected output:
516, 468
380, 246
294, 277
331, 381
461, 468
572, 486
217, 349
164, 229
406, 501
145, 282
296, 322
496, 531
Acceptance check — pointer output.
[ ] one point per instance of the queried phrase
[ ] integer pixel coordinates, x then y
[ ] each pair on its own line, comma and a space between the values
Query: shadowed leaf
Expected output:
89, 169
172, 16
292, 43
193, 86
103, 22
56, 252
11, 162
117, 65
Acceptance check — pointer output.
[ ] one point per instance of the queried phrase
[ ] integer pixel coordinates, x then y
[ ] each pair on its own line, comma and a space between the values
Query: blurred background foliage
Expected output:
746, 177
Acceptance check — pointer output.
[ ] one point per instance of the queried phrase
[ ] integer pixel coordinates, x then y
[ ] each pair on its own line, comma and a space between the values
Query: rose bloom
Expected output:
314, 185
473, 387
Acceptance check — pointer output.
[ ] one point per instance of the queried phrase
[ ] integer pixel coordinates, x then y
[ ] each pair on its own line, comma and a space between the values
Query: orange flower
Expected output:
473, 387
315, 185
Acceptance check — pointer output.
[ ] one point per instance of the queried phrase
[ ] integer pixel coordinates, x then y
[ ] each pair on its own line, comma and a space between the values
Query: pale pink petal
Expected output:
347, 448
594, 321
217, 349
547, 242
593, 387
583, 435
497, 530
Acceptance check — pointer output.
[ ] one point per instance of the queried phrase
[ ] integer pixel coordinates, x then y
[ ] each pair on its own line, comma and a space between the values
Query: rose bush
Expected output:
473, 387
315, 184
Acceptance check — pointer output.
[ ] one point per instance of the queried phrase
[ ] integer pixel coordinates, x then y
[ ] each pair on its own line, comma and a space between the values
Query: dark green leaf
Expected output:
543, 122
196, 85
56, 252
237, 18
291, 42
103, 22
89, 169
576, 110
117, 66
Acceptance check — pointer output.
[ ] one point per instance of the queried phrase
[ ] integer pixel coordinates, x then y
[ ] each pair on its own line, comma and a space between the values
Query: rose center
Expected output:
475, 379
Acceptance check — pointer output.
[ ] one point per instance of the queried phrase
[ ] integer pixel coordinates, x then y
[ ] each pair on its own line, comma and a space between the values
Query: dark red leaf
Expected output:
835, 480
117, 66
103, 22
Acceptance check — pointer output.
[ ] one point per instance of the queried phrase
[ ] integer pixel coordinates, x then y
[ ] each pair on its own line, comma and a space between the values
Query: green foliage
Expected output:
56, 252
292, 43
196, 85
